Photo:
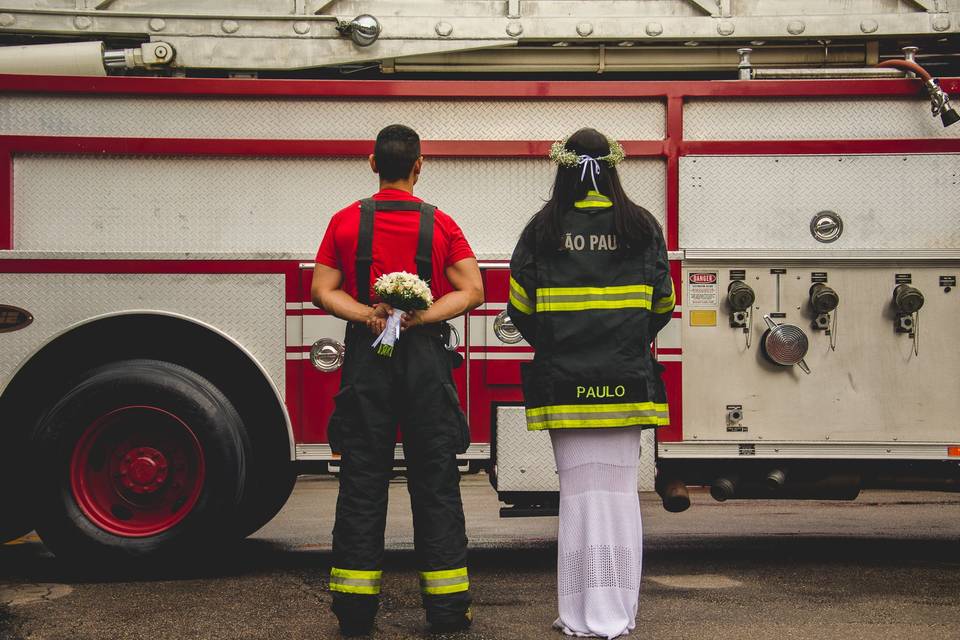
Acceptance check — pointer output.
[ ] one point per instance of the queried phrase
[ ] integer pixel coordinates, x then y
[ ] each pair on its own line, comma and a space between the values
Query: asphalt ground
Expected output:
884, 566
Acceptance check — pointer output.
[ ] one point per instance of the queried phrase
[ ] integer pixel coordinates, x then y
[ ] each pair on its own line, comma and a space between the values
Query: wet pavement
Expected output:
884, 566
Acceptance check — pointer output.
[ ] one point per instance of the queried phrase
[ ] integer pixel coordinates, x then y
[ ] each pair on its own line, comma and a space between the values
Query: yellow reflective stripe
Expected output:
443, 582
351, 573
446, 573
597, 415
519, 298
597, 408
353, 581
357, 589
597, 424
453, 588
664, 305
592, 204
594, 200
630, 296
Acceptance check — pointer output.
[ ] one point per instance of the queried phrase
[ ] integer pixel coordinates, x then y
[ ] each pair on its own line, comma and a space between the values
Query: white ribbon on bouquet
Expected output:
388, 337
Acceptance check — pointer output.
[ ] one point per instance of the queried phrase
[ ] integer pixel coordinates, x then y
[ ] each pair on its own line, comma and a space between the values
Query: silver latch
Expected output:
826, 226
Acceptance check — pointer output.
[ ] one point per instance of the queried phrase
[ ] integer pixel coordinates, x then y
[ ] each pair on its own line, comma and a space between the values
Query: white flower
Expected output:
403, 290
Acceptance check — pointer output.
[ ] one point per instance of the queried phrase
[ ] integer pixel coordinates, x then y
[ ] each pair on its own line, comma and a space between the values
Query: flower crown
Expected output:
566, 158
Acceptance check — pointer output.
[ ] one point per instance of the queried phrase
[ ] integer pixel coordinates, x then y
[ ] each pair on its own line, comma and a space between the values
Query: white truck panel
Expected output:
325, 119
249, 309
811, 119
897, 202
871, 389
184, 204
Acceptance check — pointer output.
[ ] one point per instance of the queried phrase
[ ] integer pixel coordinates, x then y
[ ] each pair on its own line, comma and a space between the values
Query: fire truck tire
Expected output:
141, 460
269, 485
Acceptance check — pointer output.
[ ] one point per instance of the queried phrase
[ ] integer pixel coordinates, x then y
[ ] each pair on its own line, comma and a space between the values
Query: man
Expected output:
395, 231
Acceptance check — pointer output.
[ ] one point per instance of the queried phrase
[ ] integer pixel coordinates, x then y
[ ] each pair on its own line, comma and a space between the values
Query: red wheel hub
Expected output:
137, 471
143, 470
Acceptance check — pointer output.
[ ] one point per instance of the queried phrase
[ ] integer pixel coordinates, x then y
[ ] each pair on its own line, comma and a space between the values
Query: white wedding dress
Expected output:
600, 539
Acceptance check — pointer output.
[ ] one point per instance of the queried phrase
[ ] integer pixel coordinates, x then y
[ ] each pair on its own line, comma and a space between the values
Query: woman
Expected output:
590, 288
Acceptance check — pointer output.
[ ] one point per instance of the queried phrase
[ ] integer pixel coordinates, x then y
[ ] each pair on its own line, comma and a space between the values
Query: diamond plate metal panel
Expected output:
525, 458
811, 119
248, 308
268, 205
767, 202
337, 119
648, 462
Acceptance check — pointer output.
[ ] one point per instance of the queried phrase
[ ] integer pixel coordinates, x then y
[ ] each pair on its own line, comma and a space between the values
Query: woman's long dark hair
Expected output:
635, 226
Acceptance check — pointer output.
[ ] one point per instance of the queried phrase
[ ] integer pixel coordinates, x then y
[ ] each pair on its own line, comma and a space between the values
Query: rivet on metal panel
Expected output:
157, 24
869, 25
7, 20
443, 29
941, 23
82, 22
514, 29
584, 29
796, 27
726, 28
301, 27
230, 26
654, 29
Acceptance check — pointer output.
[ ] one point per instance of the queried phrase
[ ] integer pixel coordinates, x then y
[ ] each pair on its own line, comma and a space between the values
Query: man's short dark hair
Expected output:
397, 148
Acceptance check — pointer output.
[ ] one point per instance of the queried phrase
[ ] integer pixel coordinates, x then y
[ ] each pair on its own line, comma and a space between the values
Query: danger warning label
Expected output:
703, 290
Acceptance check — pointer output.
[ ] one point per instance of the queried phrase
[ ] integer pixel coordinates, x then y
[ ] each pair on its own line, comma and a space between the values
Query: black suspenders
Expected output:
424, 257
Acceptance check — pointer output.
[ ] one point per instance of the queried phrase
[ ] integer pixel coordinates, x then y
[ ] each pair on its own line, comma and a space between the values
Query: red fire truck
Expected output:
165, 377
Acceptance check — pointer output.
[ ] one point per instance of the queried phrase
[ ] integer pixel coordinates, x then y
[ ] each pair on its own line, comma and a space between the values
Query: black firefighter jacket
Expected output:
591, 313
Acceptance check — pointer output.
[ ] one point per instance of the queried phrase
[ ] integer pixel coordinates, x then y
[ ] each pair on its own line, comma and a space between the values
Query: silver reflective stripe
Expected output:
354, 582
443, 582
589, 297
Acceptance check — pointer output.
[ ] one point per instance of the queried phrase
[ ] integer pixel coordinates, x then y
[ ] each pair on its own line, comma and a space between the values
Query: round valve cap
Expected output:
907, 299
823, 299
740, 295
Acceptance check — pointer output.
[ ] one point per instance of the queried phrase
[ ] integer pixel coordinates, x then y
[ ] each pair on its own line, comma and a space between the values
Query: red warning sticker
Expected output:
703, 277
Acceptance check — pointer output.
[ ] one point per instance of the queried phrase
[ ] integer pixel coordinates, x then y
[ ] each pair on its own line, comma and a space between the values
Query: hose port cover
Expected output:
786, 344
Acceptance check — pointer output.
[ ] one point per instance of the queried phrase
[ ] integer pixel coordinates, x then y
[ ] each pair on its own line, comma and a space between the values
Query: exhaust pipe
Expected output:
775, 479
723, 488
775, 486
674, 495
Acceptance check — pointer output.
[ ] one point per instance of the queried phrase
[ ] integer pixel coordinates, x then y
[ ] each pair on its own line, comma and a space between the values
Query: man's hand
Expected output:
411, 319
377, 320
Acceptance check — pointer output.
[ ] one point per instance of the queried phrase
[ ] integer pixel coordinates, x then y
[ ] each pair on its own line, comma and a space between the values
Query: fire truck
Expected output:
168, 170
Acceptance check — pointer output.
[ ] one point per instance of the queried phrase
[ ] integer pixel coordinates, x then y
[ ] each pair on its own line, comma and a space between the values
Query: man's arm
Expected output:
467, 294
327, 294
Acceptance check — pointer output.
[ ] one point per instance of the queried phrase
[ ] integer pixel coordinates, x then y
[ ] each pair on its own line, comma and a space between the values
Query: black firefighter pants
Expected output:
413, 389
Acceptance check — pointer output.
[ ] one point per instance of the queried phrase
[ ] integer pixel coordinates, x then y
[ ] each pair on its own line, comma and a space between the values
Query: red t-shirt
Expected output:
395, 236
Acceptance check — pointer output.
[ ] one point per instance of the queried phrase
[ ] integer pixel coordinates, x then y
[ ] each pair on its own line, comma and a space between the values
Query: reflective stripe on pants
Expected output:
436, 583
353, 581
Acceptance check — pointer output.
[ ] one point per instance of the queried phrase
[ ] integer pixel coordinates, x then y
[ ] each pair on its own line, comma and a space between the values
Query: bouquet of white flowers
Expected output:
404, 292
